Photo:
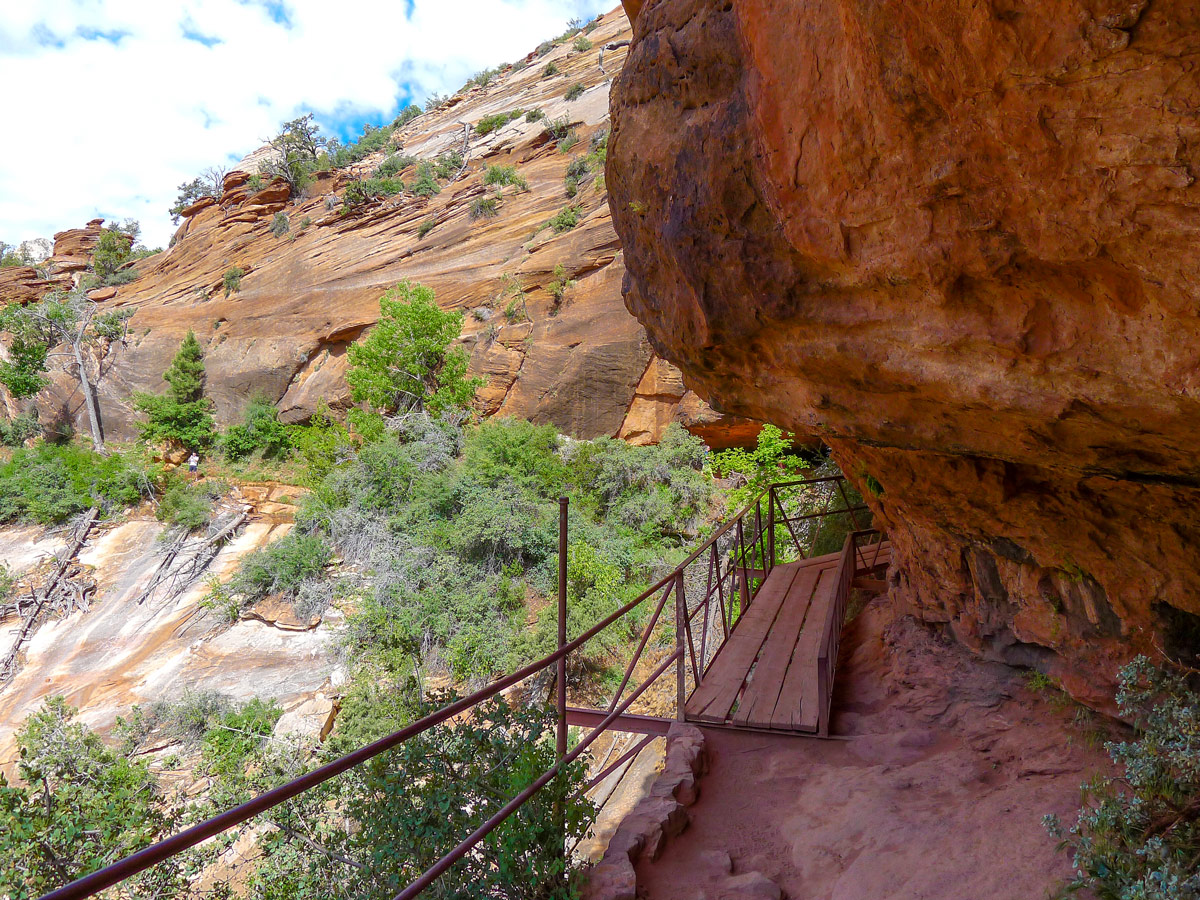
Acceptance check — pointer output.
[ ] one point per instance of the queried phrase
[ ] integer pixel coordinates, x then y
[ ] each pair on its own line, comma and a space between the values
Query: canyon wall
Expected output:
583, 364
958, 240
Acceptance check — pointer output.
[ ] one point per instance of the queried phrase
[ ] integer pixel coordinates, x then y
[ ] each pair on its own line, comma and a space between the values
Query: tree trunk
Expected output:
89, 399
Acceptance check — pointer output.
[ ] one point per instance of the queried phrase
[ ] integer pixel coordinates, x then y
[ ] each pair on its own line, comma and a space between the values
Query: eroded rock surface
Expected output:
959, 240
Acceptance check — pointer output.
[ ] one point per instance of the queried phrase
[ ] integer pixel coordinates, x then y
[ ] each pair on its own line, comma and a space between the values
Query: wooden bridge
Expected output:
774, 672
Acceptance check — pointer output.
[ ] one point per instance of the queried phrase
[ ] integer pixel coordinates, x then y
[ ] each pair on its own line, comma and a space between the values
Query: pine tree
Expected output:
183, 415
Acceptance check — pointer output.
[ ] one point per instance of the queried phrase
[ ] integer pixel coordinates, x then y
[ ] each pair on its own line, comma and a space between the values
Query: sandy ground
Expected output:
936, 791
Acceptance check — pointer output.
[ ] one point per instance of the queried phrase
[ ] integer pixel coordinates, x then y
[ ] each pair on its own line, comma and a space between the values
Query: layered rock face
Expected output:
959, 240
581, 363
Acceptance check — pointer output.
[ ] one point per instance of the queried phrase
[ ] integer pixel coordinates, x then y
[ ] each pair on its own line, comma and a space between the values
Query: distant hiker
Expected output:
193, 462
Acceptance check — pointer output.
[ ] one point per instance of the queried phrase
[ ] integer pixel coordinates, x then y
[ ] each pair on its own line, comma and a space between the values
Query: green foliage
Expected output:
359, 192
209, 184
406, 115
182, 415
582, 44
297, 146
405, 362
280, 224
483, 78
426, 184
232, 279
426, 226
281, 567
50, 483
185, 505
321, 443
491, 123
485, 207
560, 284
75, 807
20, 428
394, 165
505, 175
1138, 836
534, 115
7, 581
113, 250
260, 431
551, 69
448, 164
873, 485
754, 470
574, 92
566, 219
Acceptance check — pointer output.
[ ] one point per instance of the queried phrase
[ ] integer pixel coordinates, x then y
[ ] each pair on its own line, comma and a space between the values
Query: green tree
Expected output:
769, 461
183, 414
77, 805
405, 362
68, 323
297, 147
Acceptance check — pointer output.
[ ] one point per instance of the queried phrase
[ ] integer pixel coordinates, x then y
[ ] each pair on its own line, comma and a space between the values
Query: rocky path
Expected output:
935, 792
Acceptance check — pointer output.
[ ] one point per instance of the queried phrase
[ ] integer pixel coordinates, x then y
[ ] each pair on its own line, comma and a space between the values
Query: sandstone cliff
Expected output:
583, 364
959, 240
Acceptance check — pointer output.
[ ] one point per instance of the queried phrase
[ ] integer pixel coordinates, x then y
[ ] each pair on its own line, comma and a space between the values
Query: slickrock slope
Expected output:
959, 240
584, 365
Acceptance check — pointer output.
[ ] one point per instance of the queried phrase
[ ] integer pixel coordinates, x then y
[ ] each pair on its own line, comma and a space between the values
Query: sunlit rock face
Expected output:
960, 240
306, 294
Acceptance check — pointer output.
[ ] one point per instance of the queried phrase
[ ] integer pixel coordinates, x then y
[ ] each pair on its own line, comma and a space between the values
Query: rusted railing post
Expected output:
771, 527
562, 627
680, 661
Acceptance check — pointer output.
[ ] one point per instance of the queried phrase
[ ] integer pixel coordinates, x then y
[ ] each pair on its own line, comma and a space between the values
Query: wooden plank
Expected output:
719, 688
758, 703
797, 709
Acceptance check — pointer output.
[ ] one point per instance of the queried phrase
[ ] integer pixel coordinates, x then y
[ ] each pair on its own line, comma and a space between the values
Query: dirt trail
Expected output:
937, 792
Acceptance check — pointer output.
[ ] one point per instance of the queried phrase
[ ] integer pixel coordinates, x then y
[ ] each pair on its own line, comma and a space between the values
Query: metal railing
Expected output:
716, 582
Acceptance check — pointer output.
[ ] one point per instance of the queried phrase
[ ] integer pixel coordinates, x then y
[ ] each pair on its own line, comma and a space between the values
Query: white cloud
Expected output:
111, 106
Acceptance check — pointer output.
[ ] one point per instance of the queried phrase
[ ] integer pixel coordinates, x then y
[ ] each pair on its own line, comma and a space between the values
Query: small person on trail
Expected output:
193, 463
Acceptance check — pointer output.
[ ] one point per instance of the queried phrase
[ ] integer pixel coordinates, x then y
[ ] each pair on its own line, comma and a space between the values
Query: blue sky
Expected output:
116, 102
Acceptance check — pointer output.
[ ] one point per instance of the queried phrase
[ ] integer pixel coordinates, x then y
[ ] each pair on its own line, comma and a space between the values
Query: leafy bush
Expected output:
281, 567
321, 443
582, 44
771, 460
491, 123
75, 807
183, 415
574, 92
560, 284
260, 431
407, 114
505, 175
20, 428
566, 219
359, 192
394, 165
426, 226
1138, 836
448, 164
279, 224
50, 483
551, 69
483, 78
233, 279
112, 251
485, 207
534, 115
426, 184
185, 506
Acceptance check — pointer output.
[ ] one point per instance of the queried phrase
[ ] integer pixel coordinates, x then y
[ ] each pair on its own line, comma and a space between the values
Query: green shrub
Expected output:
448, 164
560, 131
372, 140
483, 78
394, 165
582, 44
505, 175
279, 224
321, 443
566, 219
359, 192
112, 251
534, 115
185, 506
560, 284
485, 207
574, 92
772, 459
182, 415
50, 483
281, 567
19, 429
551, 69
407, 114
1138, 835
232, 279
260, 431
491, 123
426, 226
426, 184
